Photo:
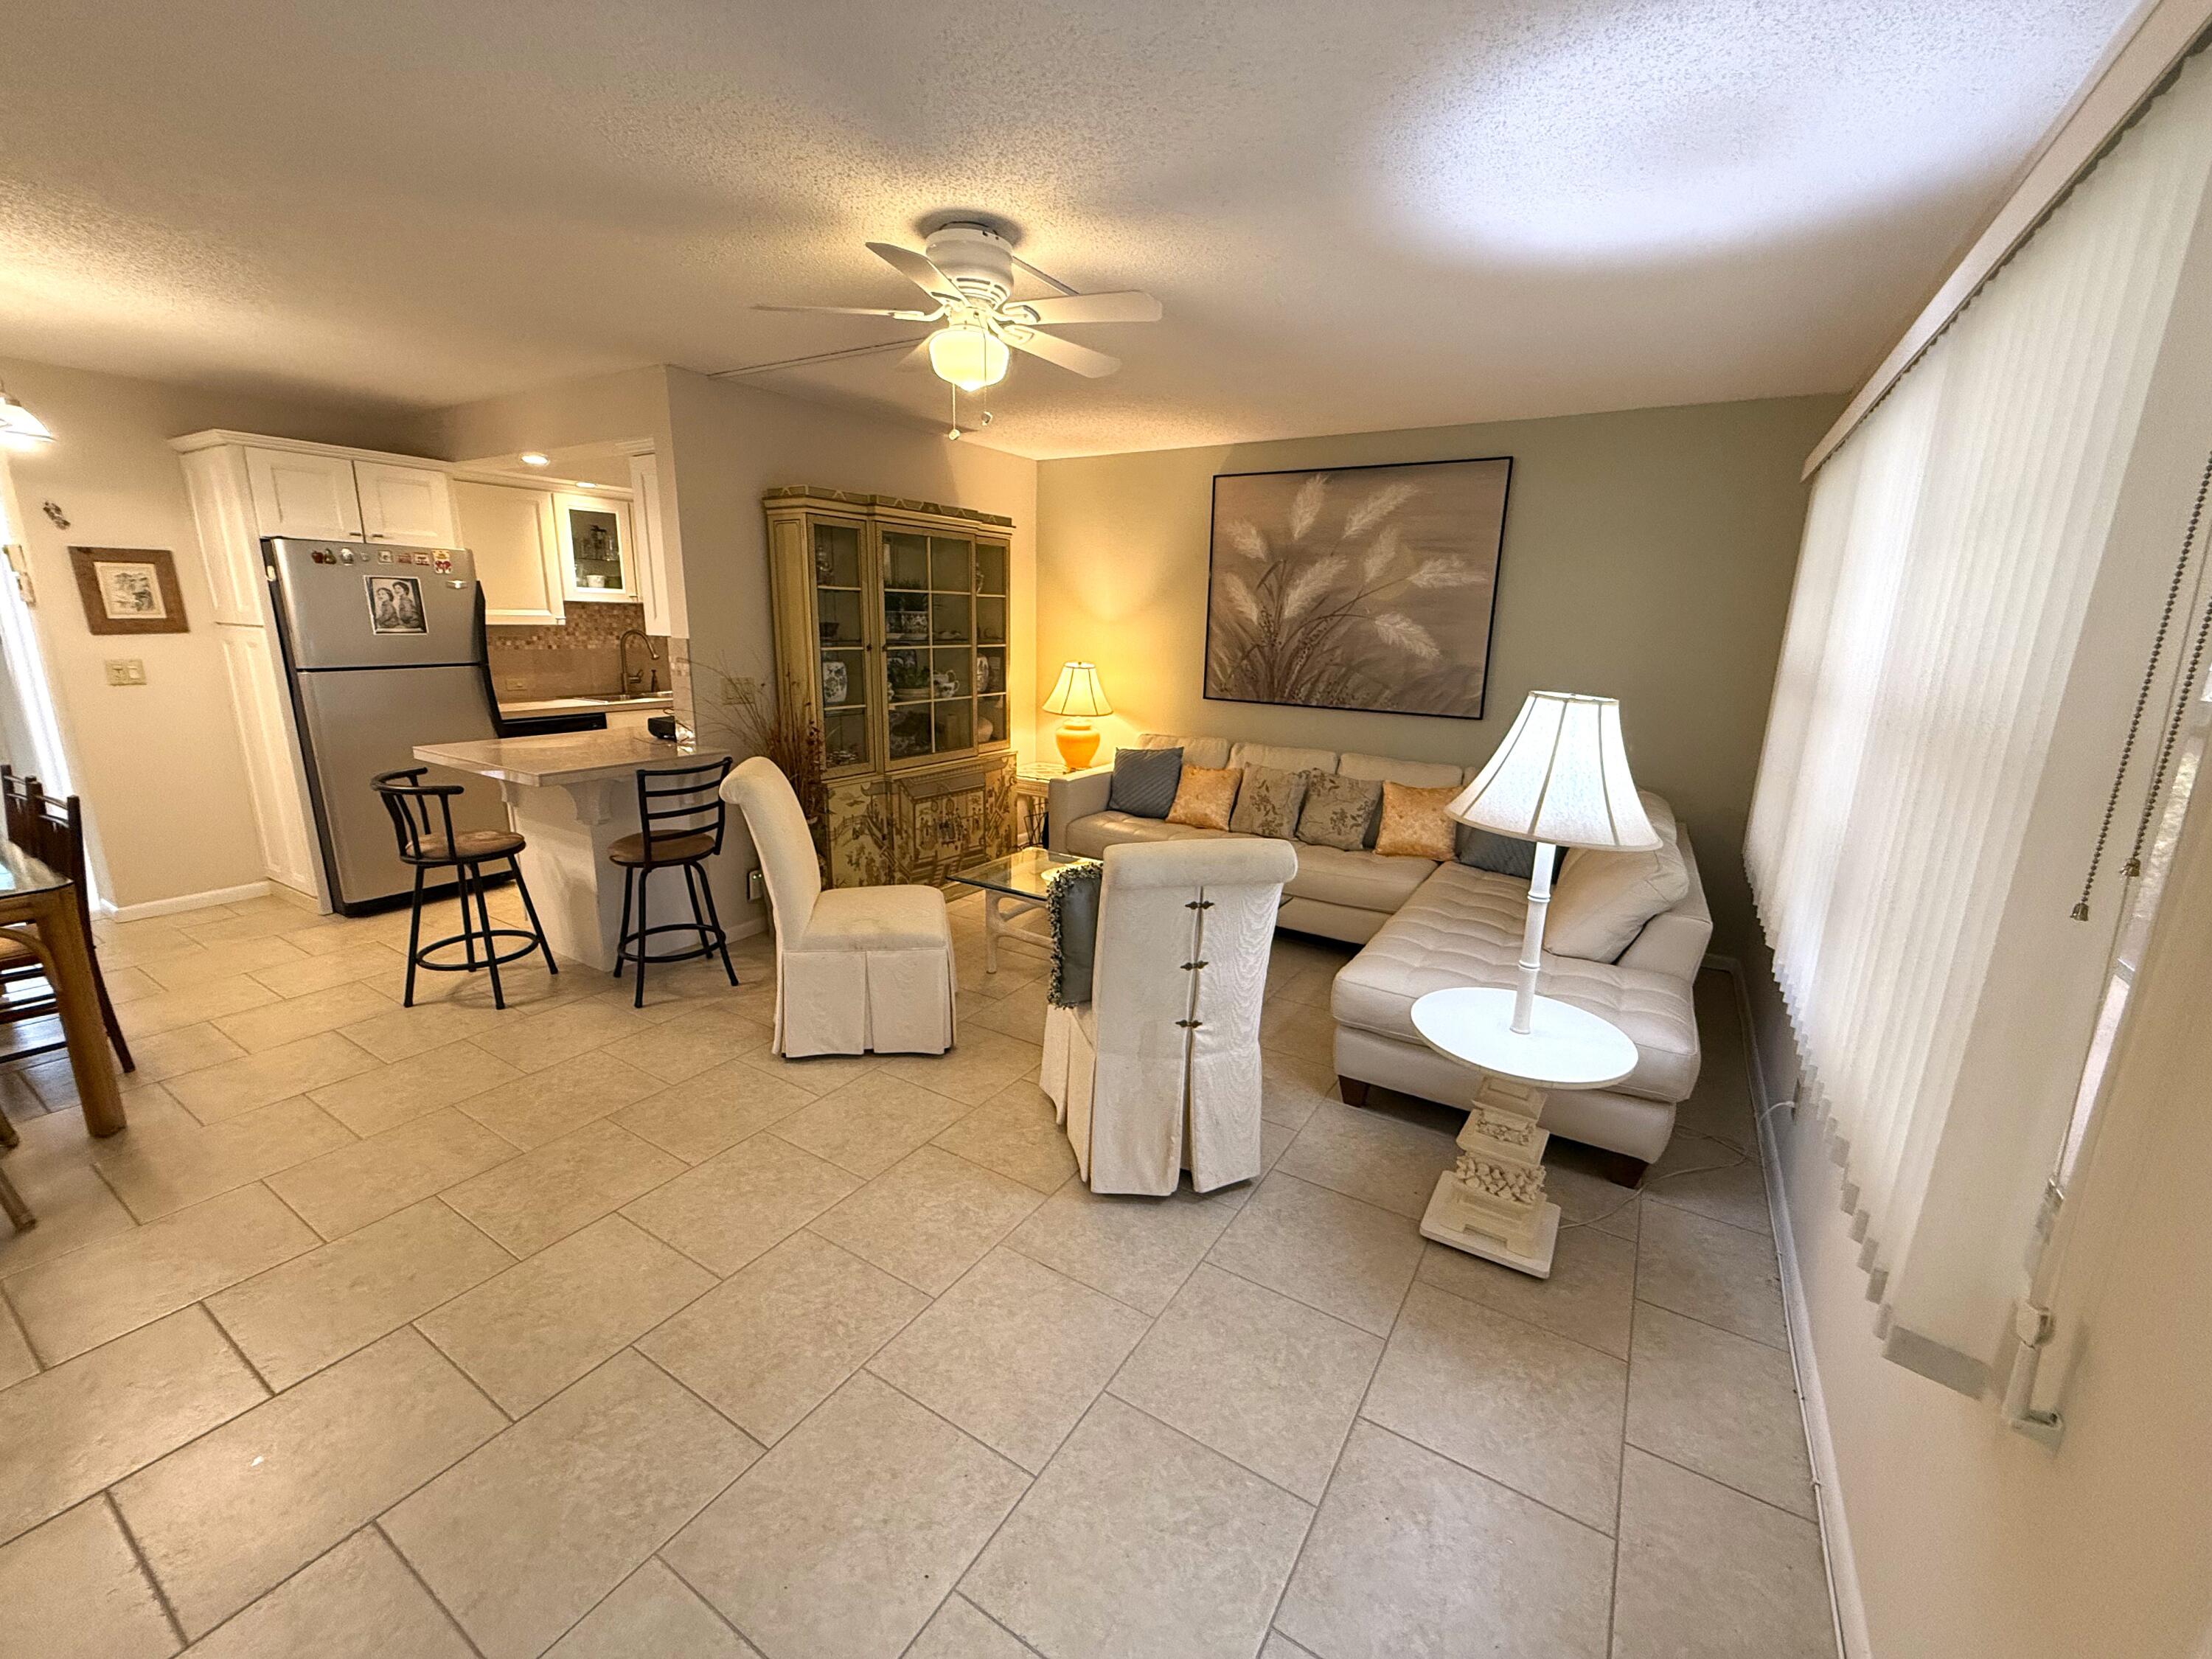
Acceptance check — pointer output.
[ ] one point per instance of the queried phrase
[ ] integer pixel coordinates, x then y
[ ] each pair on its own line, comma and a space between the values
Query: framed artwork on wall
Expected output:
129, 590
1365, 587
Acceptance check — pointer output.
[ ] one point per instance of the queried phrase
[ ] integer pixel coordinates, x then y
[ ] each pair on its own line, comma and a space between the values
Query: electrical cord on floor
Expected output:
1741, 1154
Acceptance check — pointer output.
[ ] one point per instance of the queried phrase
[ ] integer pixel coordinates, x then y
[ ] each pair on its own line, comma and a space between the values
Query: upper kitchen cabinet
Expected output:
408, 506
659, 572
597, 560
321, 496
303, 494
513, 533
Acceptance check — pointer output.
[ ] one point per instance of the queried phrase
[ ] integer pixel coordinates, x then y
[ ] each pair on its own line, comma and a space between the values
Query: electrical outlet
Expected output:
126, 670
756, 888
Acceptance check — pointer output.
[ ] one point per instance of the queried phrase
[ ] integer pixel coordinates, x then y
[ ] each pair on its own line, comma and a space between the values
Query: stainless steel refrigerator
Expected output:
384, 649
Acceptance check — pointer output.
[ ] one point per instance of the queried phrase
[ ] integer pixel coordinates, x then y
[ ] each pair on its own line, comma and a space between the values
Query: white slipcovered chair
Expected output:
1159, 1072
857, 969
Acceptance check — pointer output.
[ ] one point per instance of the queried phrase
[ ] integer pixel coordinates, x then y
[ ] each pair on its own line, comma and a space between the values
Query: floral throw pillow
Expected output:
1204, 797
1269, 802
1413, 823
1338, 810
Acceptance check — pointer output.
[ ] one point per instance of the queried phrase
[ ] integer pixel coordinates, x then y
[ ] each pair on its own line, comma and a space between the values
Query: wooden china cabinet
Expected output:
891, 623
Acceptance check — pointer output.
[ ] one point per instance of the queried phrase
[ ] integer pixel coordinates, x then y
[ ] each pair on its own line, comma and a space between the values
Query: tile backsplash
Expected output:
580, 658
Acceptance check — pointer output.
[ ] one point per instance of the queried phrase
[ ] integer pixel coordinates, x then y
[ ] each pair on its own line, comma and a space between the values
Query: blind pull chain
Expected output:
2134, 867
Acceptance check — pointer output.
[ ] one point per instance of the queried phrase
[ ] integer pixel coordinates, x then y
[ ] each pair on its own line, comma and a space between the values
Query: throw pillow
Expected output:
1144, 782
1485, 849
1337, 811
1602, 899
1413, 823
1204, 797
1072, 902
1269, 801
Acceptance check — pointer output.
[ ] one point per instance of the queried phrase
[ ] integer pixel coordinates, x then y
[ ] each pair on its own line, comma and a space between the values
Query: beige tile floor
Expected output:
582, 1330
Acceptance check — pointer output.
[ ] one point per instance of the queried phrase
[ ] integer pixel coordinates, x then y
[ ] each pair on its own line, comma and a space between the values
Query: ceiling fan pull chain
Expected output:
2134, 867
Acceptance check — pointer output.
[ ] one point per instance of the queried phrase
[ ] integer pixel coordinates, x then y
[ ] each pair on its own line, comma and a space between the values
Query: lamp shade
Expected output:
1077, 693
18, 426
970, 357
1560, 776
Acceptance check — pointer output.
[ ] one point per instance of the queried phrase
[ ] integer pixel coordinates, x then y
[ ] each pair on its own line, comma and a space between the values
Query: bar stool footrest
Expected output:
528, 947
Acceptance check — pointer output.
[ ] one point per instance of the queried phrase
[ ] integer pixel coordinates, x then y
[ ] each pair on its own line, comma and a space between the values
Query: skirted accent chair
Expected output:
1159, 1072
857, 969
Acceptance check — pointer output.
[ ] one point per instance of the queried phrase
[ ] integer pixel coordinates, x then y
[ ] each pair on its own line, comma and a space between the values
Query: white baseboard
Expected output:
183, 901
1853, 1640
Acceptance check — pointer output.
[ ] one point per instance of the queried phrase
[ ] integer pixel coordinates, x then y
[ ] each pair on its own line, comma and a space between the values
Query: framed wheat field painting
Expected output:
1368, 587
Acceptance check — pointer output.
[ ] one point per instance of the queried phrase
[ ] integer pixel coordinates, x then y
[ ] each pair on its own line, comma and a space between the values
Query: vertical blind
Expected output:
1966, 635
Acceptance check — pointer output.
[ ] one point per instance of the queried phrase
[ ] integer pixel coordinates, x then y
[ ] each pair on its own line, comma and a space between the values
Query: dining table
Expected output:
40, 909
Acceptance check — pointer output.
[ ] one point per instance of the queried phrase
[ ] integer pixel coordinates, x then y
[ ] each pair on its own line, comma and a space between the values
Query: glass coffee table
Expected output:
1024, 878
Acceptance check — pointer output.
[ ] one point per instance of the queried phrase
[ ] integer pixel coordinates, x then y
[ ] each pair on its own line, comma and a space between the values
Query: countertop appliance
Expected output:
383, 649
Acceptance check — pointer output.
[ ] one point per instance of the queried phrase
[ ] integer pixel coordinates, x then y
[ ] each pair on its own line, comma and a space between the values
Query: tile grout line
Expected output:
1358, 1416
1756, 1341
1714, 1479
107, 1495
1621, 1482
376, 1524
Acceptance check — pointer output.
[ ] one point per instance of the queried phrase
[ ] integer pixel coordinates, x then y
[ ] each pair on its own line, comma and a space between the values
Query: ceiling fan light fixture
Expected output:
22, 430
969, 356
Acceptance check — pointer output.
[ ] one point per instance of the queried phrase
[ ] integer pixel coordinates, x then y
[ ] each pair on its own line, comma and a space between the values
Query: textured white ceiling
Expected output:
1358, 216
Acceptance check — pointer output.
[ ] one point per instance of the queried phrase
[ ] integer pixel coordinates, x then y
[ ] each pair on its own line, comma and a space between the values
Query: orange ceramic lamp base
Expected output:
1078, 744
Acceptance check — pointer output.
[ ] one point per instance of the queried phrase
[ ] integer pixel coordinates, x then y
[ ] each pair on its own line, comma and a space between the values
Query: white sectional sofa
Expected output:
1426, 926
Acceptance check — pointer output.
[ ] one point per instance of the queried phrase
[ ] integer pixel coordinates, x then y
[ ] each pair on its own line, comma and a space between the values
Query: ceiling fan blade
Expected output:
1064, 354
915, 267
864, 311
1129, 305
917, 358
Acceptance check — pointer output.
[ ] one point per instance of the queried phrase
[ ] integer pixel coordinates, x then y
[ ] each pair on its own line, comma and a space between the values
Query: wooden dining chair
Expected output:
51, 830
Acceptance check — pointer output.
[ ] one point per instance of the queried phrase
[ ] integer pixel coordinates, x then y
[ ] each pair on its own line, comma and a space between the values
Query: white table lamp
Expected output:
1560, 779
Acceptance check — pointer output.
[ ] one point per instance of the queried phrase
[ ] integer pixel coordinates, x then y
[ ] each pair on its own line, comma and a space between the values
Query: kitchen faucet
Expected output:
630, 676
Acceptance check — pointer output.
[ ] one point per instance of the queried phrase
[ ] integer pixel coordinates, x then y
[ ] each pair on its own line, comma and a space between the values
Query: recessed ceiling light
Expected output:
532, 458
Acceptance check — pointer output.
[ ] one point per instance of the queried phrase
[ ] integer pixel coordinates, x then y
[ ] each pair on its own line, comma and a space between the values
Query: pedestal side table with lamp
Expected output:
1079, 695
1561, 779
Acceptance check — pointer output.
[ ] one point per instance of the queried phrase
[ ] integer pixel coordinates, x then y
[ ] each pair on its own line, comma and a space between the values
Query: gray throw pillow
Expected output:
1484, 849
1269, 802
1338, 810
1144, 782
1508, 855
1073, 903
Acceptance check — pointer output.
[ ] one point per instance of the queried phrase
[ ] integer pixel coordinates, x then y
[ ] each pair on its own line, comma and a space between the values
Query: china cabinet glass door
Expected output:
840, 608
945, 643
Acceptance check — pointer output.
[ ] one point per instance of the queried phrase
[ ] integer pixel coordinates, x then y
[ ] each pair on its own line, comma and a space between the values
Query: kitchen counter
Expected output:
612, 703
572, 795
564, 757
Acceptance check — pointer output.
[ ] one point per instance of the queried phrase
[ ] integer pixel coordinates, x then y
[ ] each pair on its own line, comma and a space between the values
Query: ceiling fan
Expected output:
966, 270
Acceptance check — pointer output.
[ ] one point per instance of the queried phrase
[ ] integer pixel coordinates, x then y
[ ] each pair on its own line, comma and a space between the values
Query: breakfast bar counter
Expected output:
571, 795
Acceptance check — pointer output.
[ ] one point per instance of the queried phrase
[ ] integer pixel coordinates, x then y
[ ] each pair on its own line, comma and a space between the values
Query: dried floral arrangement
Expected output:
755, 721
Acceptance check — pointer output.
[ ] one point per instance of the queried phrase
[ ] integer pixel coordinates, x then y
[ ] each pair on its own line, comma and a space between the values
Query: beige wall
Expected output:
158, 766
729, 442
1967, 1538
1648, 557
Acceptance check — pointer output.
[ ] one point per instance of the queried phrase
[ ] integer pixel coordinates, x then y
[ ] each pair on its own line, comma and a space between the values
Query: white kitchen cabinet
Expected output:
408, 506
299, 493
659, 580
244, 486
516, 542
597, 562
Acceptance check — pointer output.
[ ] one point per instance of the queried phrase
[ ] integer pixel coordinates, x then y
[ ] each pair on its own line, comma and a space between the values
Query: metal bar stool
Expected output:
429, 843
680, 813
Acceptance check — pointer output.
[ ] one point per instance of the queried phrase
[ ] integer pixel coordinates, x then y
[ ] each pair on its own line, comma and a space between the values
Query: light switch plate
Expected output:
126, 670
